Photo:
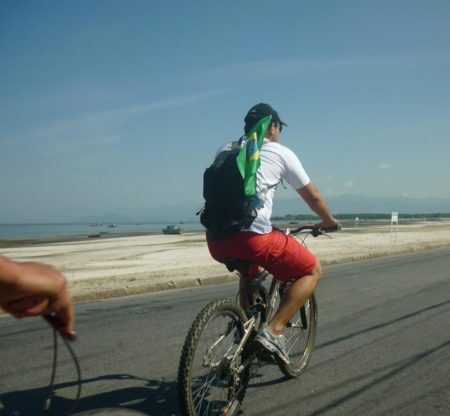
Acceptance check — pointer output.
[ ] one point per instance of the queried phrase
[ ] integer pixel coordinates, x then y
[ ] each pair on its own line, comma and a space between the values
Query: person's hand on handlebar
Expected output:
31, 289
329, 225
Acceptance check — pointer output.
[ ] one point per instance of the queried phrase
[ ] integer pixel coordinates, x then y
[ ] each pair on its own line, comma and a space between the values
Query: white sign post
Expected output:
394, 227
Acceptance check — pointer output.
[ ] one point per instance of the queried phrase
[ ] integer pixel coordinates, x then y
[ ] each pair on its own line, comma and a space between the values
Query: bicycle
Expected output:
214, 368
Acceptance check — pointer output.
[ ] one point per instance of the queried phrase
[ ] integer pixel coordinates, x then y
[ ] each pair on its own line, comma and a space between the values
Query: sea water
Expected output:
69, 230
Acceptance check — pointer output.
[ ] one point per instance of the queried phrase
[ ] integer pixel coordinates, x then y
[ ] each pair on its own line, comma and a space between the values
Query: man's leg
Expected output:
294, 299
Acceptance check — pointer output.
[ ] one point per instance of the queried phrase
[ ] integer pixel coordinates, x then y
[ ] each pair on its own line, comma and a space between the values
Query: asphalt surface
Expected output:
383, 348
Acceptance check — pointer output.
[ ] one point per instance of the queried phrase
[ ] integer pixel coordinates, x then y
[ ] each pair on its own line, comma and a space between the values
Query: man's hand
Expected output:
327, 224
31, 289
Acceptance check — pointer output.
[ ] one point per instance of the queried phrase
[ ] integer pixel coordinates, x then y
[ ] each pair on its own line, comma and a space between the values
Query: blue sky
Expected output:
115, 106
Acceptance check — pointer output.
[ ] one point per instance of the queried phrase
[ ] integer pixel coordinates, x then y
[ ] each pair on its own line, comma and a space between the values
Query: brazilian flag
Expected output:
248, 157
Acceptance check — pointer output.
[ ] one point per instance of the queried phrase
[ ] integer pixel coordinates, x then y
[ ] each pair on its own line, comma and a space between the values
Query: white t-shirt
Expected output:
277, 163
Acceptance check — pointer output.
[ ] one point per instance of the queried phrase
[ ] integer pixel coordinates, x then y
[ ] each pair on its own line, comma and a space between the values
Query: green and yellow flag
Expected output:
248, 158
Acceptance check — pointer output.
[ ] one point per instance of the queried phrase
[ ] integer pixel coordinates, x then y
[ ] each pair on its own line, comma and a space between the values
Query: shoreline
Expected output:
122, 265
24, 241
10, 242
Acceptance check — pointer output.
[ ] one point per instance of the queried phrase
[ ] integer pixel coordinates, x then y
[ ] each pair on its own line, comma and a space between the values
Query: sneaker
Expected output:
276, 344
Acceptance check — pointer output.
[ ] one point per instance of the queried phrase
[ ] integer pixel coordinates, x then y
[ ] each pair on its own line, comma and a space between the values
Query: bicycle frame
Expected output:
255, 309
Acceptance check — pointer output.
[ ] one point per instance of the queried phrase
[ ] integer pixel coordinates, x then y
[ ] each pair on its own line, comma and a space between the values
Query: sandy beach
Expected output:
112, 267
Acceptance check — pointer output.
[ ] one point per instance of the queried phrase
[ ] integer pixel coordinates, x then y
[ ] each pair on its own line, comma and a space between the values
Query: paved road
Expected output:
383, 348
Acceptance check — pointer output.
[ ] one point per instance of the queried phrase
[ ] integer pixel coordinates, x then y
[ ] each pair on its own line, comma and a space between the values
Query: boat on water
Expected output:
172, 229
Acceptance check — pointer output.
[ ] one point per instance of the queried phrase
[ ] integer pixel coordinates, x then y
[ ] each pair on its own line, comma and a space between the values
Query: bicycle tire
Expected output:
207, 383
300, 339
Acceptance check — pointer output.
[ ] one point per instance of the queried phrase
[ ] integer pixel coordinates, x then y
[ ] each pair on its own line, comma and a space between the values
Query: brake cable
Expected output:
49, 399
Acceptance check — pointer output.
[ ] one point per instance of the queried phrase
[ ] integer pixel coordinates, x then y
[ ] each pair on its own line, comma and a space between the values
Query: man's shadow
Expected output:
155, 398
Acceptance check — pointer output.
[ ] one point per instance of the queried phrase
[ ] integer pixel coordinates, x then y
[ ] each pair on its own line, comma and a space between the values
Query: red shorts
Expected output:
281, 255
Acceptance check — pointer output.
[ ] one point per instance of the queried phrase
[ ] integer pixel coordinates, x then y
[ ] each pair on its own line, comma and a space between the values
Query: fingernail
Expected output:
73, 335
70, 335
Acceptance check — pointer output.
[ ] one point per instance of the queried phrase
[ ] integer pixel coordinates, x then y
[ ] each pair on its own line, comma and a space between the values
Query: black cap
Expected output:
258, 112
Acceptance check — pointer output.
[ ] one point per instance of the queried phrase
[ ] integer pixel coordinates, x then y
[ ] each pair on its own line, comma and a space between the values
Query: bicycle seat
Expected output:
240, 265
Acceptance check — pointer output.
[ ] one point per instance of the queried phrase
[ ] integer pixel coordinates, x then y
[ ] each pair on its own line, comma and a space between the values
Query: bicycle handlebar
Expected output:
316, 231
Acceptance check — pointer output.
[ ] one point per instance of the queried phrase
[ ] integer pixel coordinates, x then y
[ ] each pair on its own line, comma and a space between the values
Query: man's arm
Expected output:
30, 289
317, 203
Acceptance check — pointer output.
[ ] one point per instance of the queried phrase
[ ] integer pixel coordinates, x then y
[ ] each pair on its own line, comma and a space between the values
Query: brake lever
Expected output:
320, 231
325, 232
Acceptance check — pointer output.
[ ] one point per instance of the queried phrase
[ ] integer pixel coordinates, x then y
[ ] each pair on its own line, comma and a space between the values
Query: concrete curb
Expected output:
120, 291
86, 295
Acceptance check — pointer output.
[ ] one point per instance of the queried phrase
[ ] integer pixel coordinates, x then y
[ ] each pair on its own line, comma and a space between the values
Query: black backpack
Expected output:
227, 209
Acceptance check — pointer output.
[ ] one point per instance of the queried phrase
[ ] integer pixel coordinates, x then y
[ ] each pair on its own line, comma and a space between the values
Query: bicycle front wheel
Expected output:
211, 379
300, 333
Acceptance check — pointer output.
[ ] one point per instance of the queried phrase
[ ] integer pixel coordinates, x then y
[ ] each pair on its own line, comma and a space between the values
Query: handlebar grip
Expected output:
316, 231
326, 230
334, 228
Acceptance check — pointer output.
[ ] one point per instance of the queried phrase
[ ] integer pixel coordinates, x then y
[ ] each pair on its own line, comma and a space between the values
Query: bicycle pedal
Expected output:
263, 355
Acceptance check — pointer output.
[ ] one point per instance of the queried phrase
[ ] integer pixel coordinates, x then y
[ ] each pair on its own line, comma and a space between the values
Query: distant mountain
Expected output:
170, 213
348, 204
344, 204
105, 218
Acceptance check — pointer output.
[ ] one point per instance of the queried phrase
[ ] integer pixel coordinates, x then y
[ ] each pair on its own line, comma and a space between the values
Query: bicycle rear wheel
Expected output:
300, 335
210, 381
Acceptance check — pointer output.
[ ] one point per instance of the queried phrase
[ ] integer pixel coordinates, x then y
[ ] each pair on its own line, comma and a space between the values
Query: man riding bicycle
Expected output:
282, 255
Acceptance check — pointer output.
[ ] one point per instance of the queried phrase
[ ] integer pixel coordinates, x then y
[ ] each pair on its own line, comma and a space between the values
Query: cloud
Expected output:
287, 67
334, 186
98, 128
384, 165
165, 104
349, 184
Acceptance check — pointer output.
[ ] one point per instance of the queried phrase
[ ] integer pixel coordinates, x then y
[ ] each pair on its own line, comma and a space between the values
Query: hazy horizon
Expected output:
343, 204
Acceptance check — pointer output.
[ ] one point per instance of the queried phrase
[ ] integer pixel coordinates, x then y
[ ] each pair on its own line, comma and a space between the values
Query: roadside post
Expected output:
394, 228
